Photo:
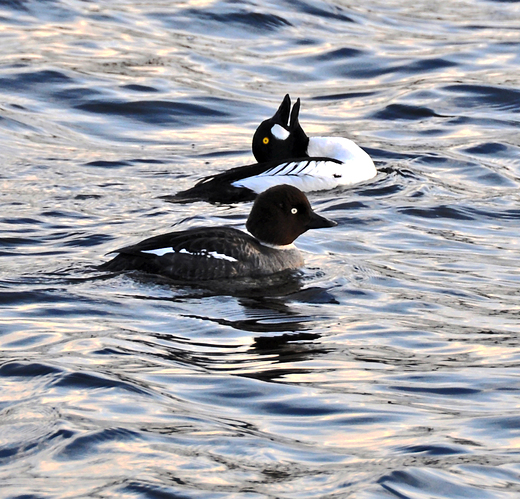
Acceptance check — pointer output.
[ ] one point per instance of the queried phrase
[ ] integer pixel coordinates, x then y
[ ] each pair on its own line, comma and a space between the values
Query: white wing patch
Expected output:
208, 254
211, 254
159, 251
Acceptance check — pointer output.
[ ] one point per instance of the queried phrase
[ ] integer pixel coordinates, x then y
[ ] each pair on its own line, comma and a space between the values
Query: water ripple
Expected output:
387, 367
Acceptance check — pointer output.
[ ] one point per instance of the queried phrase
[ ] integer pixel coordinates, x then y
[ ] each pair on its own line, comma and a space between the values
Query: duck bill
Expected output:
319, 222
281, 117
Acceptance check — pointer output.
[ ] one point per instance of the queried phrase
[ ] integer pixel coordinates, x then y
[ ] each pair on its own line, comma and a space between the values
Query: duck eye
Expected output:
265, 140
294, 211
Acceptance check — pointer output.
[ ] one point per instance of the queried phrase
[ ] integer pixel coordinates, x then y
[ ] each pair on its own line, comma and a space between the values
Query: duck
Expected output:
286, 155
278, 216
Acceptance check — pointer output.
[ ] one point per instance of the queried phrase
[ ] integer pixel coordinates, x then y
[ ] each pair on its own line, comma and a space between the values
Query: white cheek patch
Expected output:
208, 254
279, 132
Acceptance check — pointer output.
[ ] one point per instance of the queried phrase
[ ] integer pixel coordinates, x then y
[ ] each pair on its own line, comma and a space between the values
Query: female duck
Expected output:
279, 215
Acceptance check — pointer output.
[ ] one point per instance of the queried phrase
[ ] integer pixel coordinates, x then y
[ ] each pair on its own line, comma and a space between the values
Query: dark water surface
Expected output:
392, 371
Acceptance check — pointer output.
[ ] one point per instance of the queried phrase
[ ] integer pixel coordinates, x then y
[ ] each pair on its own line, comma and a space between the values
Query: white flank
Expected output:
357, 164
280, 132
307, 176
311, 175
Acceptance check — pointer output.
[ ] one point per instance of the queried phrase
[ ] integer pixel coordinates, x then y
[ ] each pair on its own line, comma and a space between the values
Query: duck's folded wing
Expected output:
305, 166
205, 241
231, 186
200, 253
307, 174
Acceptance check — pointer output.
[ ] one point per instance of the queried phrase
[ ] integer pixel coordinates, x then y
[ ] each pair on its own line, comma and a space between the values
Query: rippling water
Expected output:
392, 371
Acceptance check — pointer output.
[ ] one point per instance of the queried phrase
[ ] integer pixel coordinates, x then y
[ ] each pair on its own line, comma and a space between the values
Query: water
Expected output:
392, 371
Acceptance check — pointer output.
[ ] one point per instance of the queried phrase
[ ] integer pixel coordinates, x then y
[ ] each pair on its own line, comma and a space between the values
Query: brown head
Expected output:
281, 214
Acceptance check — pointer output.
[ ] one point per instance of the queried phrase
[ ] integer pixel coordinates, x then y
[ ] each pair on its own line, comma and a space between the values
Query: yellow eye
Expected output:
294, 211
266, 140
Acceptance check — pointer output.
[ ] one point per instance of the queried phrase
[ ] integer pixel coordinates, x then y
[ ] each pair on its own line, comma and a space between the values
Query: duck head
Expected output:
281, 137
281, 214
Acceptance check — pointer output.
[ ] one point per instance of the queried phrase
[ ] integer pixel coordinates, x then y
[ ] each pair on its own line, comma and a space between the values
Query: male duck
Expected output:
286, 155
